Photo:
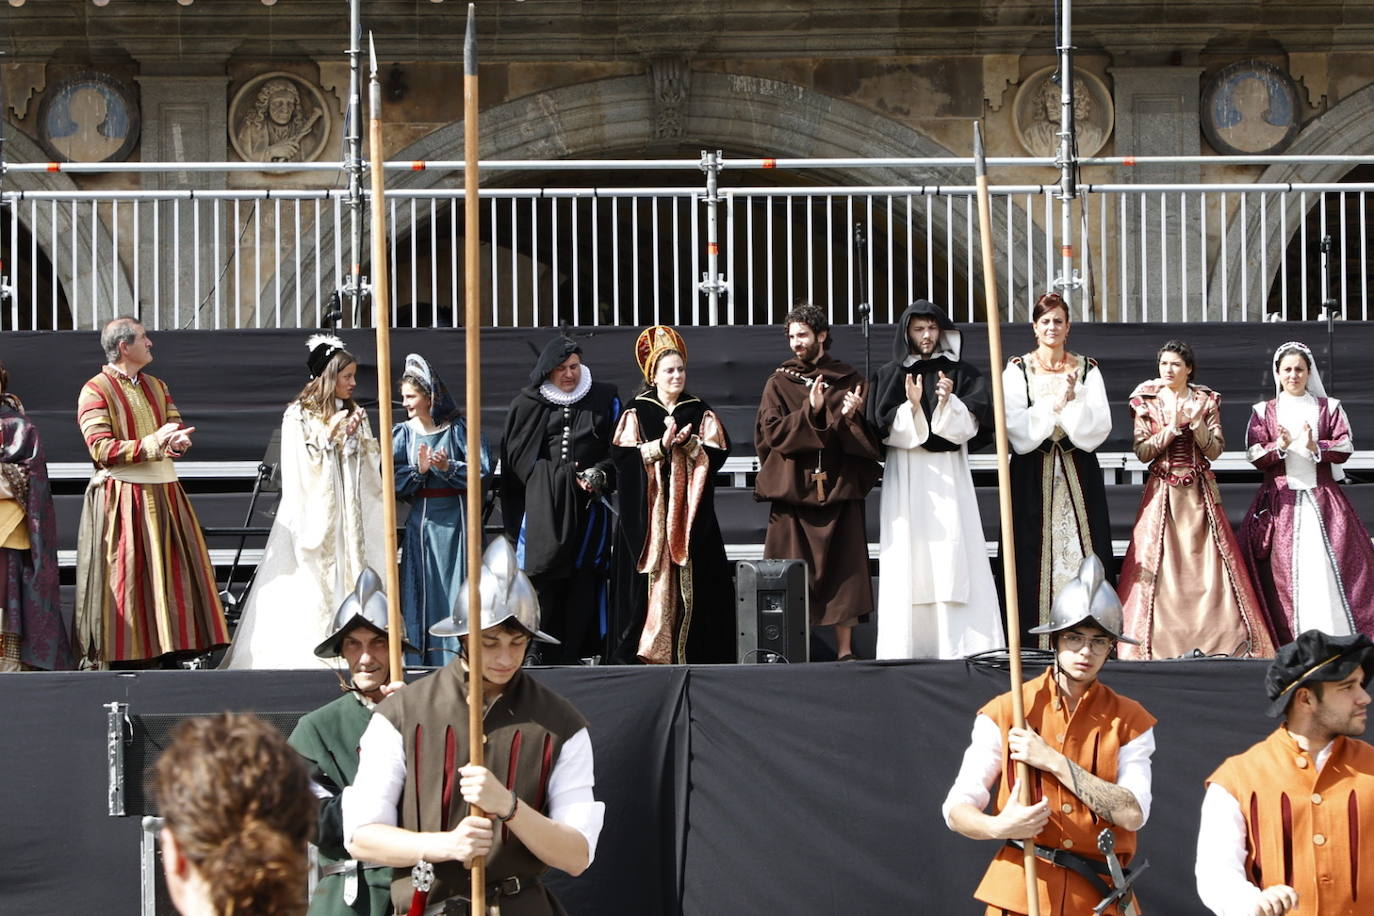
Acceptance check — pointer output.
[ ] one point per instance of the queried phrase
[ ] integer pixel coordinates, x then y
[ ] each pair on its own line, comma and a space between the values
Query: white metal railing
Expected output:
633, 255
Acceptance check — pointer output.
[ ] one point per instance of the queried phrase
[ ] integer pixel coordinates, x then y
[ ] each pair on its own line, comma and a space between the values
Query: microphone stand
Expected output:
1331, 313
865, 310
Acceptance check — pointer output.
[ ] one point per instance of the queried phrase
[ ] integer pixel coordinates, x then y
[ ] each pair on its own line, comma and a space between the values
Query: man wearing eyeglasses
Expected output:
1092, 747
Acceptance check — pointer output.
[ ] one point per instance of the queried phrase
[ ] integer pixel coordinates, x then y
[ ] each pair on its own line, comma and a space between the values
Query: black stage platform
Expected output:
730, 791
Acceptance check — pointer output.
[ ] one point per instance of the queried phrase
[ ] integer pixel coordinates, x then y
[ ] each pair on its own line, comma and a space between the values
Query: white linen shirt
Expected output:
983, 765
375, 795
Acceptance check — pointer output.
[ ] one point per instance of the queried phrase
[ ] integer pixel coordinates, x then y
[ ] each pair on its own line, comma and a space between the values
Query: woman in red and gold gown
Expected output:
1184, 584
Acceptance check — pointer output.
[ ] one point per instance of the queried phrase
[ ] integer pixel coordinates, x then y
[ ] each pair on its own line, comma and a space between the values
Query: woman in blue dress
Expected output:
430, 453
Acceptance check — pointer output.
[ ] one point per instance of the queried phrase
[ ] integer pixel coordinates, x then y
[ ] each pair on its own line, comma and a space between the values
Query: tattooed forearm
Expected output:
1107, 800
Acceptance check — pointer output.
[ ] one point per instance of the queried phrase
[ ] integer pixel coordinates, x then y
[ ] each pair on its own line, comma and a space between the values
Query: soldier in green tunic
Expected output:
328, 738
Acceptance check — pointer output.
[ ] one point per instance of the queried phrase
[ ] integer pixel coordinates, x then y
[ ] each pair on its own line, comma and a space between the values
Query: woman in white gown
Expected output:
329, 520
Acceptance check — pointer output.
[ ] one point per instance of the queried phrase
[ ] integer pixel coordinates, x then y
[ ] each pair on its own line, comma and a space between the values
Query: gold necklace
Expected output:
1051, 367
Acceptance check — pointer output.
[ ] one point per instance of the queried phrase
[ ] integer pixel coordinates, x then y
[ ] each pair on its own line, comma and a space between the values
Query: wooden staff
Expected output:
381, 317
472, 338
999, 413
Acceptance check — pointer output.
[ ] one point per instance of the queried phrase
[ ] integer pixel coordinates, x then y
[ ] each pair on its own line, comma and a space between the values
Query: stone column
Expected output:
1157, 115
183, 121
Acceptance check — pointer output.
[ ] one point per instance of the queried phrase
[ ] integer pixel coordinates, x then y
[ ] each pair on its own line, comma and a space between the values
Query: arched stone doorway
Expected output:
1261, 247
745, 117
61, 283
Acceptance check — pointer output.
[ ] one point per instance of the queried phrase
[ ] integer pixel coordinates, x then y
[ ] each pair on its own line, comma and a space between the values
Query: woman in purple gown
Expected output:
35, 631
1304, 543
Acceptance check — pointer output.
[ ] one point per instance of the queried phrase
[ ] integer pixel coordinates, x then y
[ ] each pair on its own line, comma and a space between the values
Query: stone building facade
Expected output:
245, 80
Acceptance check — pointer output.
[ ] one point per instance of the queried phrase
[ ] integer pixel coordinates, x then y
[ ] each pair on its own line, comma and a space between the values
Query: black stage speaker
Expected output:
771, 611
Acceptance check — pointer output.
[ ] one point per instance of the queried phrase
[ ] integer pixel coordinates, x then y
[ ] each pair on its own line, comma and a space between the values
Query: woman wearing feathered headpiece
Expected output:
1304, 542
430, 456
329, 521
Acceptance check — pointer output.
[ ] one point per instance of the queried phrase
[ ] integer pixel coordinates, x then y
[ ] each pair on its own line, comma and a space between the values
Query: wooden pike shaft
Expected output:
999, 412
381, 316
472, 336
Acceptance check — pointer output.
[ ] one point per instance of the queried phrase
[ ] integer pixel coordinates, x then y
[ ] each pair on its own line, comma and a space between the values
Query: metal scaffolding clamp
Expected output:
118, 735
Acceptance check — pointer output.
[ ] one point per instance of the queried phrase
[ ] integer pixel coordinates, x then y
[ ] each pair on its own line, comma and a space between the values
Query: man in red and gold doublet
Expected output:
145, 586
1288, 826
1088, 749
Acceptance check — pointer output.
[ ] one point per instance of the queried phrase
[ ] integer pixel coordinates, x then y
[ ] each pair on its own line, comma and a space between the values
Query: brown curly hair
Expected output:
237, 799
317, 396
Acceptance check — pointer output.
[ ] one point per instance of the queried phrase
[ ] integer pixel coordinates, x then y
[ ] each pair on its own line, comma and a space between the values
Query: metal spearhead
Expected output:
980, 165
374, 85
470, 43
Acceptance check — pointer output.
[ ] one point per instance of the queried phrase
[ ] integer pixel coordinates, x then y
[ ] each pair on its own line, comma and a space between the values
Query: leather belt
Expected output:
461, 906
439, 492
1090, 870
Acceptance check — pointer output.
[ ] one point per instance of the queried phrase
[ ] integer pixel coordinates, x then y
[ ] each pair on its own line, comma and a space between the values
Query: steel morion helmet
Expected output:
1087, 596
506, 595
365, 606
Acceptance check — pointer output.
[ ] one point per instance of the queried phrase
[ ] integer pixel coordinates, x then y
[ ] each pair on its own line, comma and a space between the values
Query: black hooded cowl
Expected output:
888, 388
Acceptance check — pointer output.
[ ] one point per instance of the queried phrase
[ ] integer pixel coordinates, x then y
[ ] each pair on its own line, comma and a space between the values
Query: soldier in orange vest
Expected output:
1090, 750
1288, 826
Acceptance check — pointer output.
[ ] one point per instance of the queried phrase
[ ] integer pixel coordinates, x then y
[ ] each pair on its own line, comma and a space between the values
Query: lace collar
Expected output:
555, 395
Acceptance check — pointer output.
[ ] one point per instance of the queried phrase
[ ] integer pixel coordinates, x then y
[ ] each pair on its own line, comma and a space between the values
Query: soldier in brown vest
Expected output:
1092, 749
1288, 826
408, 803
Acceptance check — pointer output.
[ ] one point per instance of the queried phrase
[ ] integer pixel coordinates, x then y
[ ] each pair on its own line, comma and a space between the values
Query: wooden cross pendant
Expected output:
819, 477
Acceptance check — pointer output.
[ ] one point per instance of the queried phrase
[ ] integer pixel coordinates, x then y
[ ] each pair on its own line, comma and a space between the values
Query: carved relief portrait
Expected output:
1036, 113
1250, 107
89, 118
278, 117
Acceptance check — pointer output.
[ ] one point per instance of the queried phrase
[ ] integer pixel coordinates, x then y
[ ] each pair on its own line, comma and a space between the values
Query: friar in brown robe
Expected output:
818, 458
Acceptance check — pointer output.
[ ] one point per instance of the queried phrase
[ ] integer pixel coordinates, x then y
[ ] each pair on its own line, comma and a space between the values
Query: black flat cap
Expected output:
1315, 657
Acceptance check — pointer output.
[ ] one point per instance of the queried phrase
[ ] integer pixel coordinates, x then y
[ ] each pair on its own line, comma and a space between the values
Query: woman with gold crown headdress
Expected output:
1304, 542
669, 446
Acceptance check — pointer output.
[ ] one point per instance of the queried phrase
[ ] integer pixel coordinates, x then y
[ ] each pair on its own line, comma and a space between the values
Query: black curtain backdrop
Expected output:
233, 385
811, 789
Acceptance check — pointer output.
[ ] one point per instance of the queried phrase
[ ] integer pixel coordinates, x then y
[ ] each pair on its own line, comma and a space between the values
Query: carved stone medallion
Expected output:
1036, 111
279, 117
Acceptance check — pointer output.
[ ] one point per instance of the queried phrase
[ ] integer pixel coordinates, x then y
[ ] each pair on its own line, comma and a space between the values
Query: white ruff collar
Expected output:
555, 395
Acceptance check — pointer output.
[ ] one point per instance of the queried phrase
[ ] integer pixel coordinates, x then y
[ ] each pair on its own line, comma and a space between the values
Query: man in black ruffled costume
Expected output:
556, 471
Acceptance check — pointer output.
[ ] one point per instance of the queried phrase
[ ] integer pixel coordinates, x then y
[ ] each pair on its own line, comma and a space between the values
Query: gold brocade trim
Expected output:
1043, 596
9, 646
684, 623
142, 412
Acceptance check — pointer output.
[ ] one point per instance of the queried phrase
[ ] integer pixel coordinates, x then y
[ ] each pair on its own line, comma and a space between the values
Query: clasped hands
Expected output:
348, 420
437, 459
1308, 438
474, 835
174, 440
853, 399
1070, 392
915, 389
673, 436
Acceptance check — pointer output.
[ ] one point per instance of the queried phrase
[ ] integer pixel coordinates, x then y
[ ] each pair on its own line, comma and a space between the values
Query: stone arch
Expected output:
1345, 130
749, 115
94, 292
